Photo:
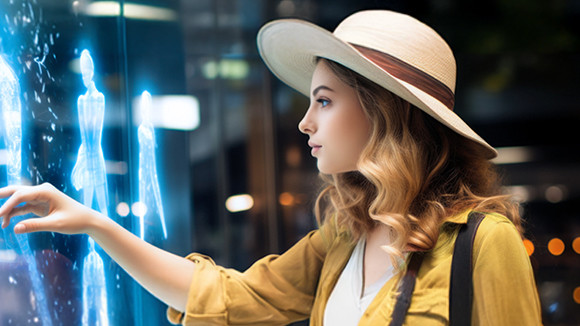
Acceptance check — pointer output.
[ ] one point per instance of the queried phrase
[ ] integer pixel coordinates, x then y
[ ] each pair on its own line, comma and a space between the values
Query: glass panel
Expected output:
158, 156
71, 116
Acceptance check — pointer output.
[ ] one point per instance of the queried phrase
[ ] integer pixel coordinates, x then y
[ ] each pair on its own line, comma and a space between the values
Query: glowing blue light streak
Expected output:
89, 174
149, 193
11, 116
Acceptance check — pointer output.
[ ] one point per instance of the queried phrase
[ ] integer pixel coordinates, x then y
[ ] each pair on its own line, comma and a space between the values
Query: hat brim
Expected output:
289, 47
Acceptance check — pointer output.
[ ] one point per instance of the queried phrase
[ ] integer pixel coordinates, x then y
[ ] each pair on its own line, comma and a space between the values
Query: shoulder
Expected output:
495, 235
493, 225
496, 227
503, 277
498, 242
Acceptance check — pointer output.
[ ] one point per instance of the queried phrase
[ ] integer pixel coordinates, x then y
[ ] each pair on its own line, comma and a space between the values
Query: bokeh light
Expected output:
577, 295
556, 247
576, 245
286, 199
139, 209
123, 209
529, 246
239, 203
555, 194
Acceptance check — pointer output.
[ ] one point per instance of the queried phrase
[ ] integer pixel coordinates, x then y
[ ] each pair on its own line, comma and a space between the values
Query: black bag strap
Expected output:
406, 290
461, 287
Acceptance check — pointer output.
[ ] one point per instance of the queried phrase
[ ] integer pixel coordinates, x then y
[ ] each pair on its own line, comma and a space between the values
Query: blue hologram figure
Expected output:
94, 289
89, 174
89, 171
149, 193
11, 117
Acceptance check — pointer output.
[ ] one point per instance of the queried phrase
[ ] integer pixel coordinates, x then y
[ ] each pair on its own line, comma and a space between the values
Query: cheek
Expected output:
352, 133
361, 137
358, 127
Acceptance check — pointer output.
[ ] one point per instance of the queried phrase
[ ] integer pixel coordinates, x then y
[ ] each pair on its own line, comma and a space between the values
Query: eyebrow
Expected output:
317, 89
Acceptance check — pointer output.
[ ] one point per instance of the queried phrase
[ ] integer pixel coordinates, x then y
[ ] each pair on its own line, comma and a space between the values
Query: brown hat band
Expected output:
409, 74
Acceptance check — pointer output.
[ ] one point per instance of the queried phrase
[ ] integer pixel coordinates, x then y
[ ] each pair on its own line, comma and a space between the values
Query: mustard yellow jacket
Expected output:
296, 285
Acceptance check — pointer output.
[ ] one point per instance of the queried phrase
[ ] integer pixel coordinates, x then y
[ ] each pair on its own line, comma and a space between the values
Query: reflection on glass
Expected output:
89, 174
11, 116
12, 126
149, 193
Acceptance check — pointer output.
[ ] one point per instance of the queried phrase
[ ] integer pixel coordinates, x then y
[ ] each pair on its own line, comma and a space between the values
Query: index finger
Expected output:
8, 191
17, 196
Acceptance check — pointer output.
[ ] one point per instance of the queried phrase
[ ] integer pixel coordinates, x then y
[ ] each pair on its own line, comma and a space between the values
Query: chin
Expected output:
333, 170
324, 169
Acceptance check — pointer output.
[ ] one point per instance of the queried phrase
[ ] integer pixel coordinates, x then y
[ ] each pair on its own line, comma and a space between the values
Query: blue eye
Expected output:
323, 102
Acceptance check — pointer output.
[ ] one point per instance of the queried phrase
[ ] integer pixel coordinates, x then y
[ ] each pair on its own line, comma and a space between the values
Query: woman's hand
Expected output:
59, 212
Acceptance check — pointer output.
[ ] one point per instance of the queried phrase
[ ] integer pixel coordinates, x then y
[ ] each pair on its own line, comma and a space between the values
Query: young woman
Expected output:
402, 173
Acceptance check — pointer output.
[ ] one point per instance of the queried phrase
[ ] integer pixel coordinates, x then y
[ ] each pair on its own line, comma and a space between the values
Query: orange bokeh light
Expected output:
286, 199
577, 295
529, 246
556, 247
576, 245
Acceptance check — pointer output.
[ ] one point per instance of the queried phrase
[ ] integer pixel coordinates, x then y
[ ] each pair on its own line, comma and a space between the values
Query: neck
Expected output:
380, 235
91, 87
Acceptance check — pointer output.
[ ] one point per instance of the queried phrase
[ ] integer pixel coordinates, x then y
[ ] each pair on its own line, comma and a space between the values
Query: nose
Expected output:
307, 125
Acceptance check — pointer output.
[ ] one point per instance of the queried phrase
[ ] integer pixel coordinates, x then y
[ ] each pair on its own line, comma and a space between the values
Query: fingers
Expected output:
20, 210
33, 225
17, 211
57, 222
59, 212
18, 195
20, 228
7, 191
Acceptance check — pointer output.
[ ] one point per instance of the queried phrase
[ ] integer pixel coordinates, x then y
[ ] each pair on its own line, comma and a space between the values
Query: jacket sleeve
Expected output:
504, 287
276, 290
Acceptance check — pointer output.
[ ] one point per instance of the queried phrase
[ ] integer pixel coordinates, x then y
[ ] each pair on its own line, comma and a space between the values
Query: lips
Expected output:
315, 147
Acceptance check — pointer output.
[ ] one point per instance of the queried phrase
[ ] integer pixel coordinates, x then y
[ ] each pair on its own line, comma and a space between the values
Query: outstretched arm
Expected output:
141, 260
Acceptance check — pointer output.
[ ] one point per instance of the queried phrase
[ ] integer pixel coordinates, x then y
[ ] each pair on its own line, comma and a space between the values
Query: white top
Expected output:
348, 302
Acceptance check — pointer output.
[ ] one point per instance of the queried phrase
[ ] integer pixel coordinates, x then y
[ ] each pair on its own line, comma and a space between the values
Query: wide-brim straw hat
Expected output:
394, 50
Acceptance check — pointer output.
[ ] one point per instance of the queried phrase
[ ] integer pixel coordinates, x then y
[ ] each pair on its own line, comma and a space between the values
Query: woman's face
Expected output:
335, 122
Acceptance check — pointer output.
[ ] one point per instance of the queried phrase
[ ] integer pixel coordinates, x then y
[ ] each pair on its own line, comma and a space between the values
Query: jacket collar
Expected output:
460, 218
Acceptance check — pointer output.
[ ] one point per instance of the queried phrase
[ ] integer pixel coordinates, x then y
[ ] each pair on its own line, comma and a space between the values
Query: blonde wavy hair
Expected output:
412, 175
